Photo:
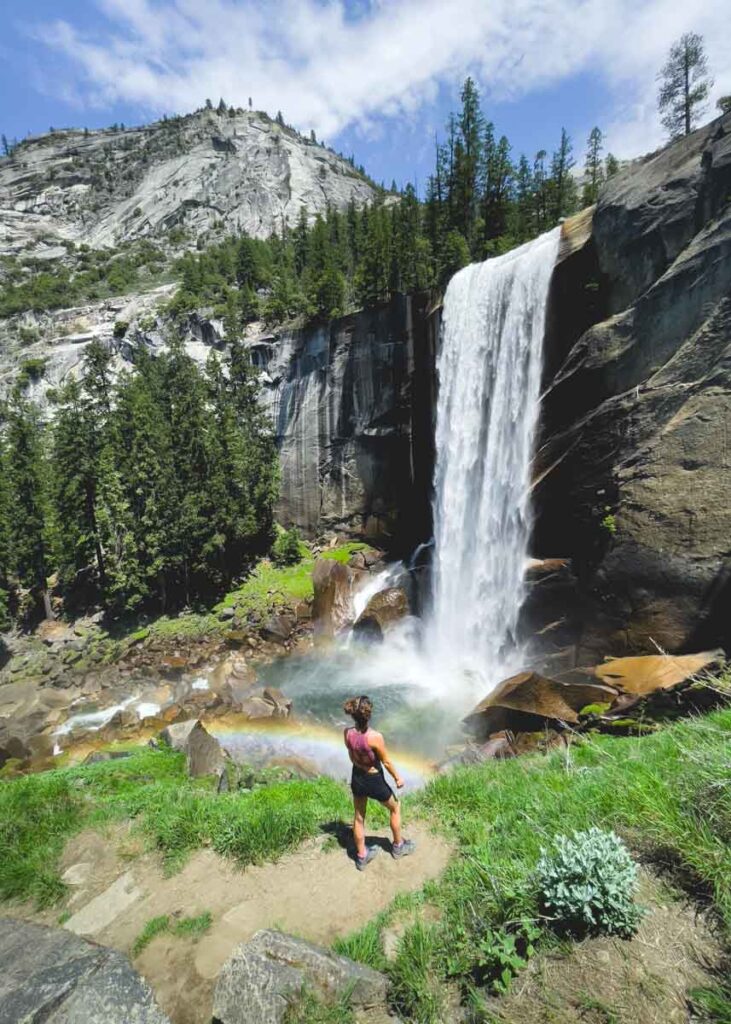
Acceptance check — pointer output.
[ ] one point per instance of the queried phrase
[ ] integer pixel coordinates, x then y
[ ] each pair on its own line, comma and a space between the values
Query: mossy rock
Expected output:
594, 709
628, 726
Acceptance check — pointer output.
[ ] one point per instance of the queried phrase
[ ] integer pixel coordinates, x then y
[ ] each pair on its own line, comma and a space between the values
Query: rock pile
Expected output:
532, 712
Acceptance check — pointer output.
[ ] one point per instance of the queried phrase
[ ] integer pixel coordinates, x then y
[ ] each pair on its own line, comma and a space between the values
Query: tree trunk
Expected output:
47, 604
686, 96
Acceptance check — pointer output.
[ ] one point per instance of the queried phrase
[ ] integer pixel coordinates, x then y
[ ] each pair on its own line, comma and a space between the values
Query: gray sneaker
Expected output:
404, 848
362, 862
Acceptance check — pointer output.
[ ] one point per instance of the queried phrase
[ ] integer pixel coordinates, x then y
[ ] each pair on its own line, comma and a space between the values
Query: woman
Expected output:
368, 755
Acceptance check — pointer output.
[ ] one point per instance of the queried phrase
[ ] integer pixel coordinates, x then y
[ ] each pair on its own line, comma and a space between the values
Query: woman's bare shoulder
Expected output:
375, 737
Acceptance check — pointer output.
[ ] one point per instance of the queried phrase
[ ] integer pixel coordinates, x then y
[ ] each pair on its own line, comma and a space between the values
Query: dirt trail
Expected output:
314, 892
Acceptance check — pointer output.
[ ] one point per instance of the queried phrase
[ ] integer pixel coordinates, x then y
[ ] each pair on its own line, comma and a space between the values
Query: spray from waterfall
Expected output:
489, 371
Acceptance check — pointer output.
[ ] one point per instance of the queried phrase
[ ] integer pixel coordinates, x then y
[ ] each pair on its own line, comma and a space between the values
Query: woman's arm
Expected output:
377, 743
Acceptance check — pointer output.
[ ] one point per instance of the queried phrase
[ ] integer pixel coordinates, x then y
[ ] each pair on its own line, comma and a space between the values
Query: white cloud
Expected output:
329, 66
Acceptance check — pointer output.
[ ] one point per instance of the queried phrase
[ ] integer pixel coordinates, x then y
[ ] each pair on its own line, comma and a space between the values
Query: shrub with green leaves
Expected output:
287, 548
587, 883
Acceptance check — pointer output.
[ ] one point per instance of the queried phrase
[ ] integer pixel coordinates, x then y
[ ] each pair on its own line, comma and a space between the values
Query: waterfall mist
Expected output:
489, 370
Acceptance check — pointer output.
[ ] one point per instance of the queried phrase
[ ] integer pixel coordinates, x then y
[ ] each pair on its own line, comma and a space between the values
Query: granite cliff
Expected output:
634, 467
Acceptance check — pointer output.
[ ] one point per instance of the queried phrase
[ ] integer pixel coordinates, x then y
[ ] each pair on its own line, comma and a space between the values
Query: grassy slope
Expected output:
669, 794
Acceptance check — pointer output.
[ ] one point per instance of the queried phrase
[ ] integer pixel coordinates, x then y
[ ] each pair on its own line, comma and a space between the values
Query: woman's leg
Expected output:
394, 807
359, 803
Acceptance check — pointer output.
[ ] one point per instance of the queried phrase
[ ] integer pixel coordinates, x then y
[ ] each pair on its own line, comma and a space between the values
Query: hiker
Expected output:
368, 755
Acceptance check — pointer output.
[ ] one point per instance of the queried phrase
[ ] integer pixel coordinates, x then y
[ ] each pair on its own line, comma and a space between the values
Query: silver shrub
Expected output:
587, 883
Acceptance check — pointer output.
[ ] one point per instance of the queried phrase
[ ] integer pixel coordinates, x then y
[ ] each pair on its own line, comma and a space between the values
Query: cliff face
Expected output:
205, 171
352, 404
634, 465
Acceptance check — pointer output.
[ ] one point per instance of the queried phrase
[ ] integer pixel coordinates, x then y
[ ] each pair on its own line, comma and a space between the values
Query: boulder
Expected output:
279, 627
263, 975
332, 608
274, 696
176, 735
204, 755
50, 975
382, 611
268, 703
645, 675
525, 701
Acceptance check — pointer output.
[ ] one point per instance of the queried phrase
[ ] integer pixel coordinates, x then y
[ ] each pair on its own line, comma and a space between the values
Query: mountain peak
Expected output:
210, 171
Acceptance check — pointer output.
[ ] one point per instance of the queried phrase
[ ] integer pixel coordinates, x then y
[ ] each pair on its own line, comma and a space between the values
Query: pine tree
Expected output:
611, 166
540, 191
5, 541
684, 85
75, 455
525, 213
29, 512
593, 168
222, 106
562, 184
497, 190
468, 148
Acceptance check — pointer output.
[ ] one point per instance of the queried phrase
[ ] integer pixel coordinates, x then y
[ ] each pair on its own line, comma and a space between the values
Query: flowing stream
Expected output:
489, 381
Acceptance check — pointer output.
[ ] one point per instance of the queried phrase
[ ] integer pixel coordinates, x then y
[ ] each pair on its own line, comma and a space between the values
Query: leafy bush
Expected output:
587, 884
287, 548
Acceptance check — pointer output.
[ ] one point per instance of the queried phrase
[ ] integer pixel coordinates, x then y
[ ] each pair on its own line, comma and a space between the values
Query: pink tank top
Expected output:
358, 742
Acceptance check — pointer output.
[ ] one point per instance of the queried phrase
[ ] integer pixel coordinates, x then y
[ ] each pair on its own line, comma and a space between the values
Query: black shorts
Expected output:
371, 784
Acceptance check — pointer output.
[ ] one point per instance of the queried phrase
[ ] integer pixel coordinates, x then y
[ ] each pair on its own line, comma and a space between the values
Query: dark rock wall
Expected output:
634, 464
352, 403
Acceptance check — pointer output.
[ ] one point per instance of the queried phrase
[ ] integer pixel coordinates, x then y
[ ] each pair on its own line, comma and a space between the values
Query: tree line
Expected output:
153, 490
479, 202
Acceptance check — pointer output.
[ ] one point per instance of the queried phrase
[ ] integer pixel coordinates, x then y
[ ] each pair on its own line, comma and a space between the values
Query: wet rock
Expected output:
261, 977
525, 701
50, 975
332, 608
383, 610
282, 705
256, 707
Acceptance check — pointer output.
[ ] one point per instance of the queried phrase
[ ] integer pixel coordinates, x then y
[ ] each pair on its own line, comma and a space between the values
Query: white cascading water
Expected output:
489, 371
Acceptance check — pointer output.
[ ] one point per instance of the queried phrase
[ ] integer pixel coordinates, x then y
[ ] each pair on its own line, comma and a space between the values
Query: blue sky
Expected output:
374, 77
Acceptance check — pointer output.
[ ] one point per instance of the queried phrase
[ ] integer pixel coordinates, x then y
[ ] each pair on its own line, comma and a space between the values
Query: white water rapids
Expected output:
489, 371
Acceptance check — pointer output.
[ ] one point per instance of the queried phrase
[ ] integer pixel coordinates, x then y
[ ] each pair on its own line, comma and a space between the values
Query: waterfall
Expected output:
489, 370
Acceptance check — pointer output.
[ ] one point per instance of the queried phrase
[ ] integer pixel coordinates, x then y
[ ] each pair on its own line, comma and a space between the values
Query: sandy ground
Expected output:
314, 892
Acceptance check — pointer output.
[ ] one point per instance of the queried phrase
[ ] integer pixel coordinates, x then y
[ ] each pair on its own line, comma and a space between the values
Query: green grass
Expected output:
166, 924
307, 1008
270, 587
175, 814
